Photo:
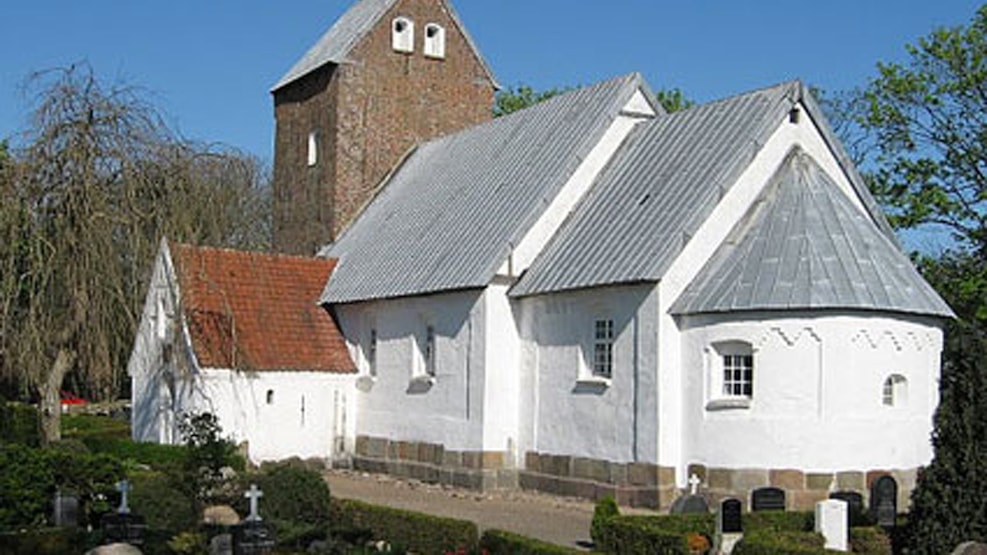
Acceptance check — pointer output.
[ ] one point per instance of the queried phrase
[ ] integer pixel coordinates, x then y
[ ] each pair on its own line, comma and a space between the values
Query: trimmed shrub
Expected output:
26, 487
780, 542
291, 493
499, 542
52, 541
19, 424
417, 532
164, 507
872, 541
780, 521
604, 510
654, 534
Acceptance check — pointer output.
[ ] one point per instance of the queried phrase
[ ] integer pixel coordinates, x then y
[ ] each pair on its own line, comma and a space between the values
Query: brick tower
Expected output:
388, 75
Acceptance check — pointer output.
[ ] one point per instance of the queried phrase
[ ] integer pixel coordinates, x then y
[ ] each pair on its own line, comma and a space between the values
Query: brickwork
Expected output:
802, 489
433, 463
368, 112
633, 484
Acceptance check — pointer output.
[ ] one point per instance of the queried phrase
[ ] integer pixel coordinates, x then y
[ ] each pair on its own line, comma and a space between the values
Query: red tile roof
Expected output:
255, 311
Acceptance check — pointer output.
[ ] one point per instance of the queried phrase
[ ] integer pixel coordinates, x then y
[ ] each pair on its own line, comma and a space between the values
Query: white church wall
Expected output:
501, 369
281, 414
401, 402
571, 412
700, 248
817, 402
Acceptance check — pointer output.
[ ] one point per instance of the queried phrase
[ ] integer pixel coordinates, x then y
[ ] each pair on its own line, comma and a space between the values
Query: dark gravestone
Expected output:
884, 501
65, 512
855, 507
252, 537
768, 499
689, 504
123, 528
729, 521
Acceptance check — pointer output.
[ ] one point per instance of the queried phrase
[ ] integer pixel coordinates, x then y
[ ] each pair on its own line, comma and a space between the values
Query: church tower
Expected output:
388, 75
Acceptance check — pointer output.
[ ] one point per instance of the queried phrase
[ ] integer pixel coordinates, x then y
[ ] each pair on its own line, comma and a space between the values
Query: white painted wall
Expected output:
565, 410
449, 410
502, 367
817, 402
701, 247
311, 414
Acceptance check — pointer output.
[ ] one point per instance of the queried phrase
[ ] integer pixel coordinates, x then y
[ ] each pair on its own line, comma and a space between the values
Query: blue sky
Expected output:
209, 64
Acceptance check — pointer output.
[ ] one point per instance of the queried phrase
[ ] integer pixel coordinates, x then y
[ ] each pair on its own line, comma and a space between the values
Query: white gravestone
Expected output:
832, 523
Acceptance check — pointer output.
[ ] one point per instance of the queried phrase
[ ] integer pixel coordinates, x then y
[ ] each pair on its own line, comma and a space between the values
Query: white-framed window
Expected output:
403, 35
435, 41
313, 148
603, 335
731, 369
738, 375
894, 392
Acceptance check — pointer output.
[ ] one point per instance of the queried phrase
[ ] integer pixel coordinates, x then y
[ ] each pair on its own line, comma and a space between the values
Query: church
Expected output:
586, 297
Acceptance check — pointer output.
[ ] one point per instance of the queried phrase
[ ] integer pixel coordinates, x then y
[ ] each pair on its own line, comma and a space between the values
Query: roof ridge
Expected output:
794, 85
244, 252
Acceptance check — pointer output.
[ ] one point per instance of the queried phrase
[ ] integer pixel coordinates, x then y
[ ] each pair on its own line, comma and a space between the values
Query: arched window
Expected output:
270, 396
895, 391
435, 41
313, 148
403, 35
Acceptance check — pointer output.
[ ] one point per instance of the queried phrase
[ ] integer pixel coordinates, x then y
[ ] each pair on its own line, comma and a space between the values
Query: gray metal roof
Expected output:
337, 43
450, 215
657, 192
804, 245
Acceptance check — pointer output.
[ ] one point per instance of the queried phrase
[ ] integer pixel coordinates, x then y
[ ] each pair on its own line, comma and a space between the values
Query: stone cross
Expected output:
694, 482
123, 486
254, 494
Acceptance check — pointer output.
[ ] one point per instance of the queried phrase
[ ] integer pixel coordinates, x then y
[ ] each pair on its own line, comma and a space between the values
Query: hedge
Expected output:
499, 542
643, 535
296, 500
870, 540
19, 424
49, 541
779, 521
417, 532
780, 542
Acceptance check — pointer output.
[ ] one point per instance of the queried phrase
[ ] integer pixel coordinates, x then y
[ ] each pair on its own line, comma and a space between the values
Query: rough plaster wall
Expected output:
817, 403
450, 411
616, 420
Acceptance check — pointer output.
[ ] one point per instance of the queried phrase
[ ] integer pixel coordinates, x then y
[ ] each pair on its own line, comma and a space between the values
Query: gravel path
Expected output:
559, 520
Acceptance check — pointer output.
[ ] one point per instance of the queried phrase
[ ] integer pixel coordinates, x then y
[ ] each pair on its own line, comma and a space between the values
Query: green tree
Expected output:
927, 125
87, 198
523, 96
949, 503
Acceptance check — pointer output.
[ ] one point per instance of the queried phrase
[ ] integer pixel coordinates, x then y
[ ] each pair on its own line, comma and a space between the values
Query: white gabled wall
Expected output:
701, 247
567, 412
637, 110
501, 369
818, 383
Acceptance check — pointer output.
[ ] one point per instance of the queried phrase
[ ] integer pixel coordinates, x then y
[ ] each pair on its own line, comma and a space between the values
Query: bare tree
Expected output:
99, 181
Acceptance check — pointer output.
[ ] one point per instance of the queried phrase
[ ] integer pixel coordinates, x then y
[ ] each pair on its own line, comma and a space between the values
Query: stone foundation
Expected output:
802, 489
633, 484
432, 463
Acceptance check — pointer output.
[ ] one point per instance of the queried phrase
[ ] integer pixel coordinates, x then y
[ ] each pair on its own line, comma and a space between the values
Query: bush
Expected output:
780, 521
164, 507
872, 541
296, 501
53, 541
604, 510
634, 535
778, 542
19, 424
418, 532
499, 542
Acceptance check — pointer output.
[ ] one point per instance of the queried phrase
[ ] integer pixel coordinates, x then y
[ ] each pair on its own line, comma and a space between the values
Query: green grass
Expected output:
84, 426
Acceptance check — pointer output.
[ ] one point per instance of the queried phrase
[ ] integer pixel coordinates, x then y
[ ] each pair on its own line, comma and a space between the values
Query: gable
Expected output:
335, 46
255, 312
803, 245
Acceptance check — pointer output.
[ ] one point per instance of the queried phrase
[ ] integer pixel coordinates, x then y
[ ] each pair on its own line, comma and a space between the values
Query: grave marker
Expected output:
884, 501
729, 520
832, 523
768, 499
66, 510
855, 506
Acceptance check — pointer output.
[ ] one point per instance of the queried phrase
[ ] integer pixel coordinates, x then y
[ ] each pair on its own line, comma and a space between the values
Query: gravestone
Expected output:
884, 501
65, 510
123, 526
855, 506
768, 499
252, 536
970, 548
832, 523
729, 520
689, 504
